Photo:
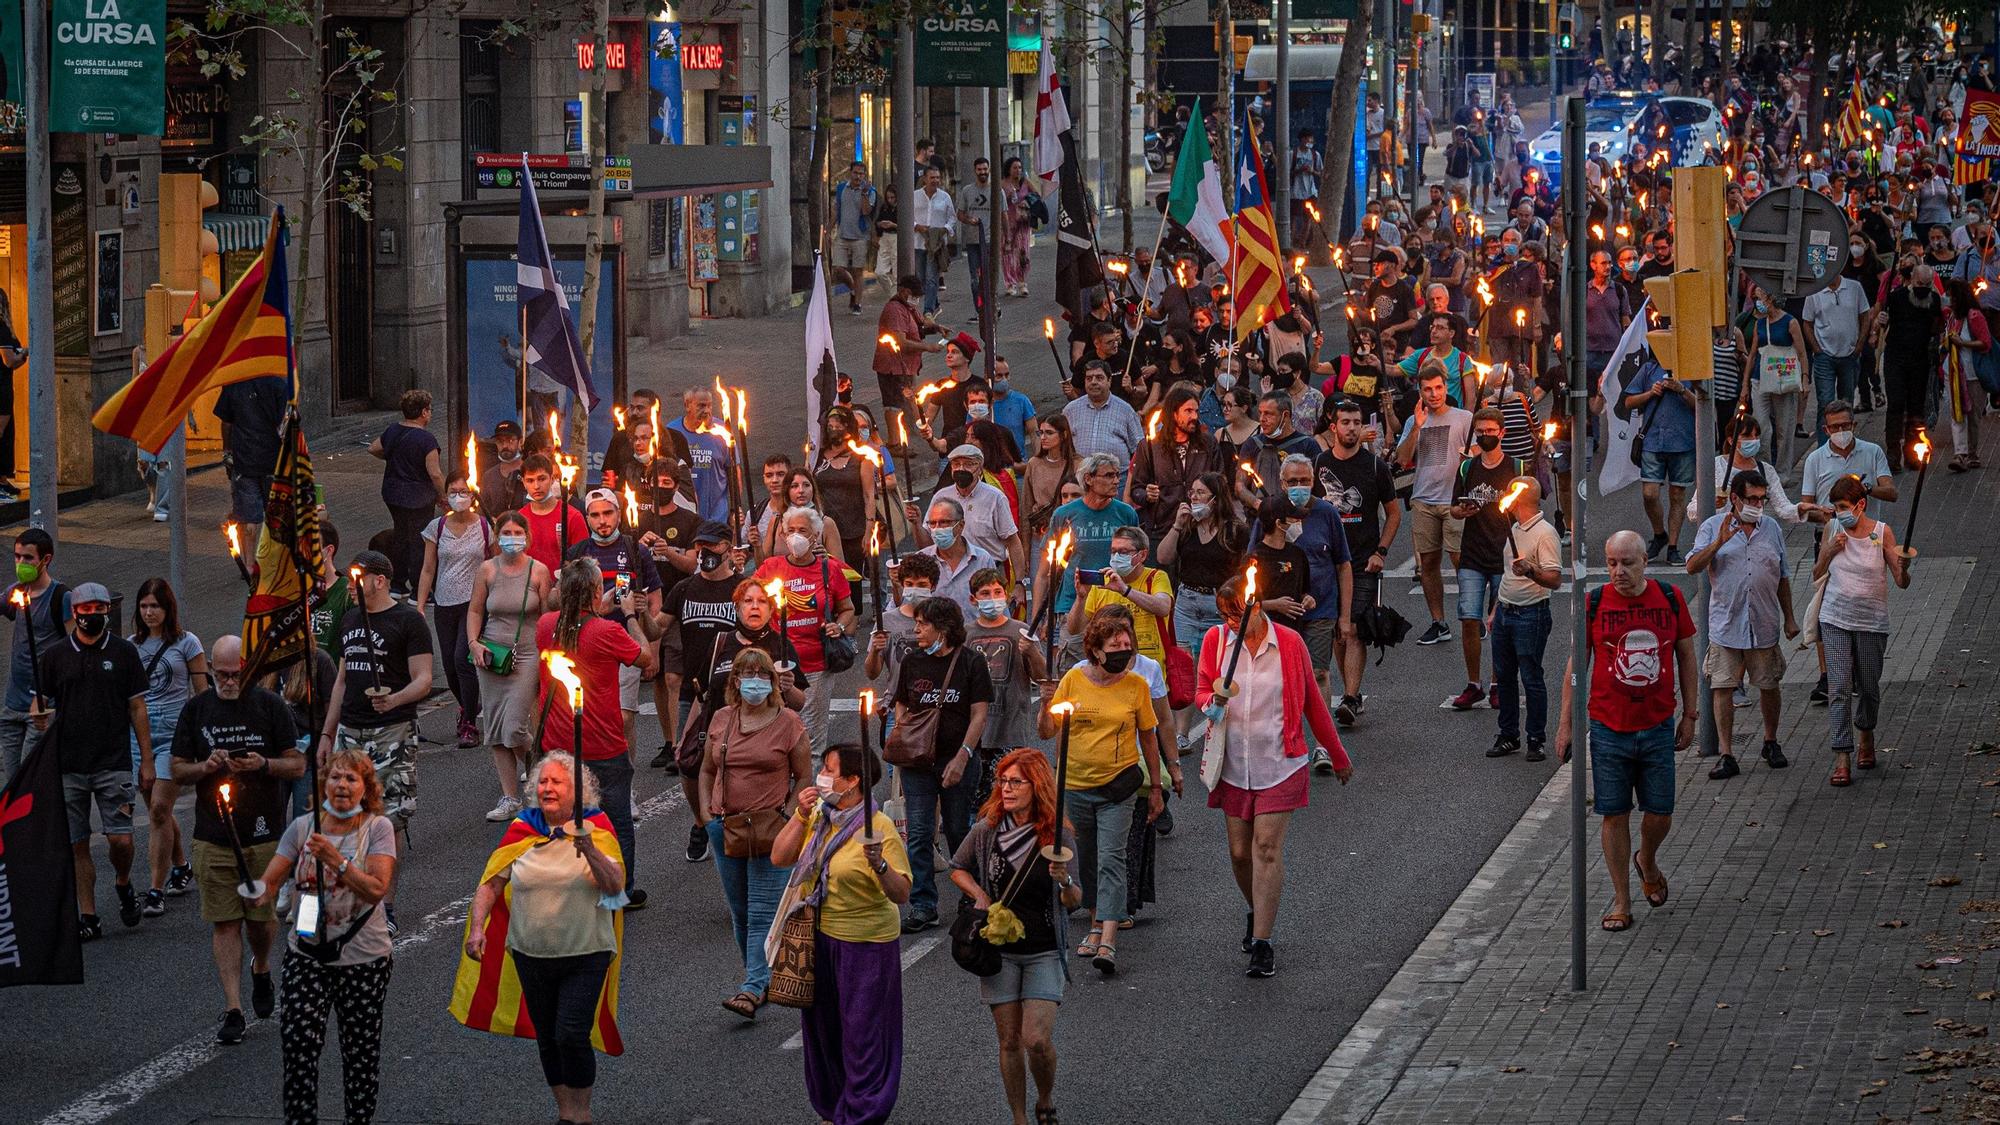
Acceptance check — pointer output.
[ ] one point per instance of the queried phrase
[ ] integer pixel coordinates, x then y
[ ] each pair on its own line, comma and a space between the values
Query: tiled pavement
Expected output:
1827, 955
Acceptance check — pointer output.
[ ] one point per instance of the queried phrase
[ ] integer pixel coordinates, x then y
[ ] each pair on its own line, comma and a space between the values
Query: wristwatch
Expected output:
881, 866
342, 869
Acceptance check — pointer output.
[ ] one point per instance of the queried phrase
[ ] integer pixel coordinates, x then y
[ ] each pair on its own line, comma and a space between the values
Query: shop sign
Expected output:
963, 43
108, 67
70, 271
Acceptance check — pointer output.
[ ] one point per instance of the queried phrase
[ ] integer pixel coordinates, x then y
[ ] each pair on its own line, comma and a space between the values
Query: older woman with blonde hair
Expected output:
338, 952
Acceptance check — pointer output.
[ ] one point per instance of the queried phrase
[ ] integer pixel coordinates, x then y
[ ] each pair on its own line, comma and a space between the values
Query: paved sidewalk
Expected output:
1825, 956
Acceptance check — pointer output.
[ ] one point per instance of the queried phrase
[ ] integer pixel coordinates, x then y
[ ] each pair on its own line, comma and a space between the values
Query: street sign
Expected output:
962, 43
1793, 242
552, 171
108, 67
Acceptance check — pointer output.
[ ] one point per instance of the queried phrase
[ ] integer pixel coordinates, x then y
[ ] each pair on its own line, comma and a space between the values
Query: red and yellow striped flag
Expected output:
1258, 287
1853, 115
247, 335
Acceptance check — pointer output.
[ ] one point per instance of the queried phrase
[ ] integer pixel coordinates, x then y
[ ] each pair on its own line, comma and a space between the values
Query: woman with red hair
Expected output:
1001, 862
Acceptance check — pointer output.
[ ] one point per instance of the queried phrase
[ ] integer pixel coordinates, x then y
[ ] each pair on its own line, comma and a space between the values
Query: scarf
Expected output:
831, 829
1015, 842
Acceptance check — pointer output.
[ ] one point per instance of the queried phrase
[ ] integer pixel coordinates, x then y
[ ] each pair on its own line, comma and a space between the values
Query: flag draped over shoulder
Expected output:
822, 370
1258, 287
277, 618
1853, 114
486, 996
554, 352
1621, 459
245, 336
38, 939
1195, 200
1077, 267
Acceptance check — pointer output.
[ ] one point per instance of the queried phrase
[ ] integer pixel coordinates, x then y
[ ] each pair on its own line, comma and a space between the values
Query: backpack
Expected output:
1671, 592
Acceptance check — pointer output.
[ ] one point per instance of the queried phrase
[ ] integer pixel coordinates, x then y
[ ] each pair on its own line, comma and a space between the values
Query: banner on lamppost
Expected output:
10, 57
108, 67
963, 43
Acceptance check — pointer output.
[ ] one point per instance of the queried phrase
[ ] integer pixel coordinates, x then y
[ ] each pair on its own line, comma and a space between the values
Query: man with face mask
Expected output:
986, 519
1389, 301
48, 613
1914, 314
1742, 550
96, 682
239, 735
818, 603
1329, 574
935, 676
625, 567
667, 523
1483, 479
1845, 454
694, 614
1362, 490
959, 555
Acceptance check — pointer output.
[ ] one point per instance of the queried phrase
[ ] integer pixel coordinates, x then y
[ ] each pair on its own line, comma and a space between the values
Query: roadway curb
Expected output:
1375, 1055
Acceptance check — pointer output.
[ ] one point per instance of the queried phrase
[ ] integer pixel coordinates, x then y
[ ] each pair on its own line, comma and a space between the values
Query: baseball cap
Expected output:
373, 562
712, 531
89, 592
604, 494
507, 428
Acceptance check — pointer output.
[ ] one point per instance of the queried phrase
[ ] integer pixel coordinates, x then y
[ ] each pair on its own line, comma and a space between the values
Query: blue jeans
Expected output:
614, 796
1102, 828
752, 888
975, 265
927, 802
927, 272
1520, 633
1834, 377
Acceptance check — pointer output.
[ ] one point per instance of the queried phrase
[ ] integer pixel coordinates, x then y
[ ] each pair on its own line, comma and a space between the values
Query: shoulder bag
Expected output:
793, 980
745, 835
500, 658
838, 652
912, 744
969, 946
1777, 367
1178, 665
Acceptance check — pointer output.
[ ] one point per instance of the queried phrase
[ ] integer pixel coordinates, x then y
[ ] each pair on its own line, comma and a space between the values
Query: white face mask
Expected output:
914, 594
1752, 513
1293, 531
797, 544
459, 501
825, 783
1842, 440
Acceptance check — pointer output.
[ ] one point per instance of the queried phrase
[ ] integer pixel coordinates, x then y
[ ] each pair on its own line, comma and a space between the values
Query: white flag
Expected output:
1621, 427
822, 378
1051, 118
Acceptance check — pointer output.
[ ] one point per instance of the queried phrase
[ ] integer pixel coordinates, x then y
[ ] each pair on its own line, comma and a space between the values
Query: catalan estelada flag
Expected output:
1853, 115
277, 622
247, 335
487, 994
1258, 268
1978, 143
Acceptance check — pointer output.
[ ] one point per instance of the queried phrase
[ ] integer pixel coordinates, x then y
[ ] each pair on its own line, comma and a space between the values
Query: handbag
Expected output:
792, 976
746, 835
969, 946
837, 652
500, 658
913, 742
1777, 368
1178, 666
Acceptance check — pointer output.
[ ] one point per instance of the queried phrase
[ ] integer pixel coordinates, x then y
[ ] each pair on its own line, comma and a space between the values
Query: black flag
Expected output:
38, 938
1077, 268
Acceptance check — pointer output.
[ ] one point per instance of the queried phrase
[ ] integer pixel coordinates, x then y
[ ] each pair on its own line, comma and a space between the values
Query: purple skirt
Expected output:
854, 1030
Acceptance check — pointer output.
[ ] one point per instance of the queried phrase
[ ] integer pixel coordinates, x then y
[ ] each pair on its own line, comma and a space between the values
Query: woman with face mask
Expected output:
1858, 557
1204, 546
852, 871
818, 604
455, 546
756, 758
1110, 729
1743, 451
802, 491
844, 483
1777, 373
343, 855
938, 682
509, 591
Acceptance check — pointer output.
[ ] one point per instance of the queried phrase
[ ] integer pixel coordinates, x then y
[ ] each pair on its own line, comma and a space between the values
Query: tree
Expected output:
1340, 118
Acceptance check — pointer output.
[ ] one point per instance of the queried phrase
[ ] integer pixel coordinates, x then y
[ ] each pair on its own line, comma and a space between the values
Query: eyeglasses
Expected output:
1012, 782
1834, 427
231, 674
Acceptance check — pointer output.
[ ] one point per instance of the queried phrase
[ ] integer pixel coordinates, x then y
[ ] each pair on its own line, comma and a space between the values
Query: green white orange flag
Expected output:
1195, 200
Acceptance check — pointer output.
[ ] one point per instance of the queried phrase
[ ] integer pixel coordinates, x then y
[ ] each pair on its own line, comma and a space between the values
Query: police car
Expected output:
1689, 128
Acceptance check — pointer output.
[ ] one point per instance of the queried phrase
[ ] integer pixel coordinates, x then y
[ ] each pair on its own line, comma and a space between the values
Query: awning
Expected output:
1309, 62
237, 232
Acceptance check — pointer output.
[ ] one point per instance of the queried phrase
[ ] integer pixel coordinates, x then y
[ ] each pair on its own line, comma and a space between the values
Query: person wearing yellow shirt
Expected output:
1128, 581
1113, 724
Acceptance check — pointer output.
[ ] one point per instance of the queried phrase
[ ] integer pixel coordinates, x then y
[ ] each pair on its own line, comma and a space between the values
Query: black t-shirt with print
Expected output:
398, 633
1282, 572
921, 684
1484, 541
92, 688
256, 722
705, 610
1357, 488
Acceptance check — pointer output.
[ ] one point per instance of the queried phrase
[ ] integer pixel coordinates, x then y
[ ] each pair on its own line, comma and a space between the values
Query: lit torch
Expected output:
1153, 425
234, 535
1250, 471
472, 466
925, 392
888, 340
1921, 451
563, 670
1226, 686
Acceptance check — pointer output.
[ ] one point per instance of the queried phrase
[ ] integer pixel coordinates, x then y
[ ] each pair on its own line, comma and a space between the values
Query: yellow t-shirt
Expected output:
1145, 627
855, 909
1104, 730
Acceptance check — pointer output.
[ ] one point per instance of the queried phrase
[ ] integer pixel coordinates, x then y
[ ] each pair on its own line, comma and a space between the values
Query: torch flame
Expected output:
1312, 210
230, 532
1921, 450
1597, 230
925, 392
1118, 266
563, 671
472, 463
1520, 318
775, 590
1048, 328
653, 439
222, 791
874, 537
1549, 432
1250, 471
1064, 547
1299, 264
865, 452
18, 598
566, 468
1623, 230
1485, 292
742, 412
722, 432
555, 430
1062, 710
354, 574
1153, 425
631, 507
888, 340
722, 397
1250, 584
1349, 310
902, 431
618, 417
1980, 287
1513, 494
1339, 257
868, 702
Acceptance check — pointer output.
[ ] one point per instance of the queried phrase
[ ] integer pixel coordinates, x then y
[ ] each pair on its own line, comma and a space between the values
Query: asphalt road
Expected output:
1180, 1035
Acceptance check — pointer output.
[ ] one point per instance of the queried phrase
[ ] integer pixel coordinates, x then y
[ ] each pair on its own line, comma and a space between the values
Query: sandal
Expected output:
1088, 946
744, 1004
1864, 759
1106, 961
1656, 890
1956, 464
1841, 778
1046, 1116
1616, 922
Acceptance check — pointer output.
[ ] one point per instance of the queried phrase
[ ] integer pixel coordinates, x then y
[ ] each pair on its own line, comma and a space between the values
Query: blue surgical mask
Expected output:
1510, 249
935, 647
1847, 520
944, 537
513, 544
992, 607
754, 690
1001, 387
327, 808
1749, 447
1300, 495
1121, 561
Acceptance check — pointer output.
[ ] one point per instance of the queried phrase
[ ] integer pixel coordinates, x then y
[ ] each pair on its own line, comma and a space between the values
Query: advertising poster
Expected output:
70, 216
493, 345
108, 67
108, 294
962, 43
664, 76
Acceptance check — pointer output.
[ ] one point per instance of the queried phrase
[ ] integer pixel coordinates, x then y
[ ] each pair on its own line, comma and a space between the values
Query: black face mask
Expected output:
963, 478
710, 561
1488, 442
1115, 662
91, 624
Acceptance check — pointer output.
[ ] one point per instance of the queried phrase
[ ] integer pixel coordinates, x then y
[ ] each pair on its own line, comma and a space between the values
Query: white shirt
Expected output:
1253, 755
989, 522
1776, 503
1835, 316
935, 209
955, 582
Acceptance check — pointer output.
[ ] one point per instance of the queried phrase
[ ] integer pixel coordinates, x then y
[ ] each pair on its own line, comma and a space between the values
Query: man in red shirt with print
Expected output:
1641, 641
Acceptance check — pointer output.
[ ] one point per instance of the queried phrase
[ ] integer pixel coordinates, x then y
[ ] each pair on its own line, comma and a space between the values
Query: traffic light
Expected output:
1701, 232
1686, 346
190, 256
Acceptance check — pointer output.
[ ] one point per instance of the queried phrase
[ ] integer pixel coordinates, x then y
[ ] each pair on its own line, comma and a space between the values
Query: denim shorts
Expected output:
111, 791
1625, 764
1676, 469
1025, 976
246, 497
1194, 615
1476, 591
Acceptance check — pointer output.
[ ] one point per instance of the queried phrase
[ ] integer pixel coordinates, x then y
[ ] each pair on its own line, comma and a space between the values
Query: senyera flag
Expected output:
38, 939
277, 621
1258, 287
247, 335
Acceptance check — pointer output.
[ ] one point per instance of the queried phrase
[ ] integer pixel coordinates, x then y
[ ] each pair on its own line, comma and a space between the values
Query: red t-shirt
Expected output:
1632, 657
804, 604
603, 647
544, 532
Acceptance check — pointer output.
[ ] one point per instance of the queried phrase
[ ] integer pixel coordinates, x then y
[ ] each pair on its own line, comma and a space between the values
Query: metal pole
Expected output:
176, 490
1281, 144
1577, 215
903, 130
42, 436
1391, 113
989, 320
1414, 181
1704, 489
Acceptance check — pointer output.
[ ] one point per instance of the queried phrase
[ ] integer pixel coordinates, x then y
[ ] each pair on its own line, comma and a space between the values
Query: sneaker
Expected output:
1818, 696
179, 879
1535, 753
1740, 697
1503, 746
1346, 712
504, 809
1493, 697
128, 905
1674, 556
156, 903
697, 849
468, 734
1774, 756
917, 923
263, 998
635, 899
1263, 959
231, 1031
1724, 769
854, 310
1437, 634
1468, 699
1657, 544
88, 928
160, 515
664, 759
1322, 762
